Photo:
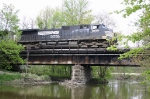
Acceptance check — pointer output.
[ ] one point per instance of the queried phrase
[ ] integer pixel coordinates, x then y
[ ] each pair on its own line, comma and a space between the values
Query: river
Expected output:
113, 90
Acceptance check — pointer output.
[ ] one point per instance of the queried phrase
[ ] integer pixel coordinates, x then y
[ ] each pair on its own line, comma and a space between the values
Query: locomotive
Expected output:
77, 36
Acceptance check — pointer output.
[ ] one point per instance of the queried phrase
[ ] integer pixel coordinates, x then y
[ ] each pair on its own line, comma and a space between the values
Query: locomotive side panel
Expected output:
79, 32
69, 32
28, 35
65, 32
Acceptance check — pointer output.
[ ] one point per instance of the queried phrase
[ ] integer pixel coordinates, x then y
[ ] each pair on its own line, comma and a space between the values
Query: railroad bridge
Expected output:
80, 59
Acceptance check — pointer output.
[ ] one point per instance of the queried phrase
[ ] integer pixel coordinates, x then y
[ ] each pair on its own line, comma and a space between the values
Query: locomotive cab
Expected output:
100, 31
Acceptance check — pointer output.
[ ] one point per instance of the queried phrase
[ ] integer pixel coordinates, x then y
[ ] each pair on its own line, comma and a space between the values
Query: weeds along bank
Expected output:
48, 74
7, 77
22, 78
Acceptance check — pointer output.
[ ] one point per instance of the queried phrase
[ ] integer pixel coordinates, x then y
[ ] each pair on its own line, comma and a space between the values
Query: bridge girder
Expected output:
83, 59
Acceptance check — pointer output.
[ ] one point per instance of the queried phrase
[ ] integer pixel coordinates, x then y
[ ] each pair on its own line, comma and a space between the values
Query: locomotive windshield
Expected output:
95, 27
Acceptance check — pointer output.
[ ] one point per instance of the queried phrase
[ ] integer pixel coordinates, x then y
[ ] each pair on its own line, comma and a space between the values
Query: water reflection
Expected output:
113, 90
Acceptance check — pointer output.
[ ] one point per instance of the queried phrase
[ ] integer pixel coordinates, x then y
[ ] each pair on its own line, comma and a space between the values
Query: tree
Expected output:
141, 53
9, 49
28, 23
57, 19
43, 19
102, 72
49, 18
9, 22
105, 18
76, 12
143, 24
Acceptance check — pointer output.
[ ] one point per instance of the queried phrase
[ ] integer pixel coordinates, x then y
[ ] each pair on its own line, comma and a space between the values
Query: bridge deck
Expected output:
92, 57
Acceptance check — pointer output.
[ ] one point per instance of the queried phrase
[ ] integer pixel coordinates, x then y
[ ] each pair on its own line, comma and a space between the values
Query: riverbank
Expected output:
127, 76
22, 78
7, 77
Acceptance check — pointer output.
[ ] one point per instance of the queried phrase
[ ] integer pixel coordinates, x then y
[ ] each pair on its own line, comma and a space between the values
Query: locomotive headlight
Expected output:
108, 34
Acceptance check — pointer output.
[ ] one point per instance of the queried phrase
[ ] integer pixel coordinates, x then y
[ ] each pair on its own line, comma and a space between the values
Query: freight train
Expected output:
77, 36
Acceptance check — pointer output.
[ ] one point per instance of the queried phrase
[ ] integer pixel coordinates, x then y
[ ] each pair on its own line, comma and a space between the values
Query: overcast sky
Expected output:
31, 8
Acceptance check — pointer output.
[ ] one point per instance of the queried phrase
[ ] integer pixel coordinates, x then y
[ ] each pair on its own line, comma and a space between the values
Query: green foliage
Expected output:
49, 18
9, 21
43, 19
9, 77
57, 19
118, 37
142, 7
143, 32
39, 70
112, 48
130, 53
54, 72
36, 77
101, 72
9, 49
50, 70
146, 75
76, 12
9, 54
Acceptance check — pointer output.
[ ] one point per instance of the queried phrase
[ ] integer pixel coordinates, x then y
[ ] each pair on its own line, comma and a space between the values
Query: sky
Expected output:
31, 8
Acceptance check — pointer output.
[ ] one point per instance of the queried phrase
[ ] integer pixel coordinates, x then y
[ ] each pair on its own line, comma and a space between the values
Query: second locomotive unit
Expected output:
78, 36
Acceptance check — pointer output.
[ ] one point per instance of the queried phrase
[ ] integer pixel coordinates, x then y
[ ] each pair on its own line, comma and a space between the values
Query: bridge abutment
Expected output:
81, 74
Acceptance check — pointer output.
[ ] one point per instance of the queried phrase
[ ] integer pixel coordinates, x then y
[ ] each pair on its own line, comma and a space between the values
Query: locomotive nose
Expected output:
108, 34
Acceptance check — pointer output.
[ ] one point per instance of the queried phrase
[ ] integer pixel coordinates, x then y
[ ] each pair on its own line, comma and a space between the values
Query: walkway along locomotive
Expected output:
77, 36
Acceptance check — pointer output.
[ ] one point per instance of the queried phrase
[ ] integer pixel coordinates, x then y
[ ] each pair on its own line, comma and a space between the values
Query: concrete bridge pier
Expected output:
81, 74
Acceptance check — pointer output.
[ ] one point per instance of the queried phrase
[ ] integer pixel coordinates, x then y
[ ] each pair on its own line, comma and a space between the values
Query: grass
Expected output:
36, 77
9, 77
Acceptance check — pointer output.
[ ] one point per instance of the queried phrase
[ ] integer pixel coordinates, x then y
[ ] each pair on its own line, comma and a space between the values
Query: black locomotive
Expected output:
78, 36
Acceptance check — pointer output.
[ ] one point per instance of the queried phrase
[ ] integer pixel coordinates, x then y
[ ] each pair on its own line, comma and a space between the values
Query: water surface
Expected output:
113, 90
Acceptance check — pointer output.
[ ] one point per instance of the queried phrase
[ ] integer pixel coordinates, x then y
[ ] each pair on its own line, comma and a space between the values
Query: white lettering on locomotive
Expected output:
94, 31
54, 36
54, 32
47, 32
